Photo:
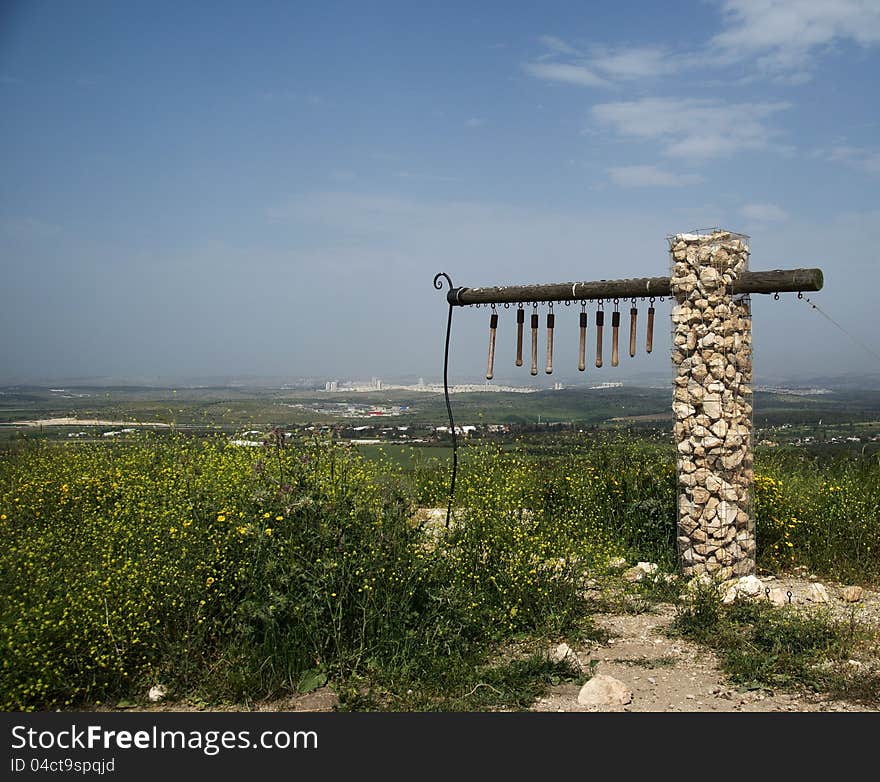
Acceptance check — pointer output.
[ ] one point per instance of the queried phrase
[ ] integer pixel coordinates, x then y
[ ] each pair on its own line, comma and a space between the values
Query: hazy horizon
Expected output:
268, 190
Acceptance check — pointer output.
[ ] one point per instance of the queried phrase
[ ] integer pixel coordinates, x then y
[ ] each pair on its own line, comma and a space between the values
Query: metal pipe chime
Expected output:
493, 327
633, 317
535, 341
520, 319
583, 343
551, 327
615, 334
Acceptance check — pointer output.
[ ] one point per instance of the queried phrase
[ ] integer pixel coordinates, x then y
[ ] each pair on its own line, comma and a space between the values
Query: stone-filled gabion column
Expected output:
712, 405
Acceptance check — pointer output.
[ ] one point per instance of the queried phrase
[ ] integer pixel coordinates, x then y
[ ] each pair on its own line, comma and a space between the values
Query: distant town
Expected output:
376, 384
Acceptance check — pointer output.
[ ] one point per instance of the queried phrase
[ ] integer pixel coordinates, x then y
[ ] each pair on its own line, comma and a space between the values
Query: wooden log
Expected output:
776, 281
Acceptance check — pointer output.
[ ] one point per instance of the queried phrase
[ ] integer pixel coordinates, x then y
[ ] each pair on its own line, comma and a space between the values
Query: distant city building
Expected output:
331, 385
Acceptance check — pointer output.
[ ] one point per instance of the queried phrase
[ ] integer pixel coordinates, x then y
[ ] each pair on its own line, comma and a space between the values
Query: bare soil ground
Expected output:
672, 675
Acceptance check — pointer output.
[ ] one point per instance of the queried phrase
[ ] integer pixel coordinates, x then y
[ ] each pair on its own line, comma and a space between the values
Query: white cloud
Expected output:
650, 176
783, 36
691, 128
865, 160
564, 63
566, 73
636, 63
764, 213
557, 45
776, 38
475, 122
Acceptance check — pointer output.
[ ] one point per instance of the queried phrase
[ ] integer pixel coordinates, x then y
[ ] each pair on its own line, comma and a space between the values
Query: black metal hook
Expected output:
439, 285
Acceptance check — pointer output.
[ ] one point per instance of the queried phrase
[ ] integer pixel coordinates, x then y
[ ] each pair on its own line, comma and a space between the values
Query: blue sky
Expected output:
268, 188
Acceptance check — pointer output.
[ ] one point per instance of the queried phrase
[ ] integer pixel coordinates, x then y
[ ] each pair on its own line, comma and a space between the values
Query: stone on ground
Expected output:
603, 690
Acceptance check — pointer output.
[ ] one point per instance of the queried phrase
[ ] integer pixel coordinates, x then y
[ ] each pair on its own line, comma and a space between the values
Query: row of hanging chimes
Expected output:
551, 324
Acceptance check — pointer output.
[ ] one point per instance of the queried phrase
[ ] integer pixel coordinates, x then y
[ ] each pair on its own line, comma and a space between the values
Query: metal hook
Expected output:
439, 285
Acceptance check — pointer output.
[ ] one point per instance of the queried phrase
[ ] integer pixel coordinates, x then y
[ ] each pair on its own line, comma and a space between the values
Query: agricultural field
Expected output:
233, 573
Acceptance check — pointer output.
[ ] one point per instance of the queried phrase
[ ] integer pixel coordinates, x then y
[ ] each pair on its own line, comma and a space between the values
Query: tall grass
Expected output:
822, 515
235, 571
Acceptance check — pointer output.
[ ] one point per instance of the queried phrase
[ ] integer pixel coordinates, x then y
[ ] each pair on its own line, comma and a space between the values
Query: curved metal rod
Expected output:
439, 286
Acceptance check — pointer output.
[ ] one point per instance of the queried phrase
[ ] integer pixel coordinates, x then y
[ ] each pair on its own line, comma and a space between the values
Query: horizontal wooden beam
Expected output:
777, 281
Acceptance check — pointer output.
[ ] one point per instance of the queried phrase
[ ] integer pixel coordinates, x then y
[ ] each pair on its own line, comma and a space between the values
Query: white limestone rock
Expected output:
603, 690
817, 593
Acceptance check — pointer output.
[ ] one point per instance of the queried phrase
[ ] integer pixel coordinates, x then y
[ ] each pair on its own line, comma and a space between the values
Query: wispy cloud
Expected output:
640, 62
565, 73
416, 176
650, 176
558, 46
691, 128
865, 160
772, 39
475, 122
764, 213
783, 37
564, 63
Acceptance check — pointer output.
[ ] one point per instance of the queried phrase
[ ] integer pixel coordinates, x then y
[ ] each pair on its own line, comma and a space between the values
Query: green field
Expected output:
234, 572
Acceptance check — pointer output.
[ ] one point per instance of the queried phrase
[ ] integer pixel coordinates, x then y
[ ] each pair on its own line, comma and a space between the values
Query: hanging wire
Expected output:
831, 320
439, 286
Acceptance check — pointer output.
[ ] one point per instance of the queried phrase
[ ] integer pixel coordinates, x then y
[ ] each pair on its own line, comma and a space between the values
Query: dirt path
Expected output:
672, 675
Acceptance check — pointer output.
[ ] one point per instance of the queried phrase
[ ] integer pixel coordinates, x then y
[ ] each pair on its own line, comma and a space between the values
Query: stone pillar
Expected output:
712, 405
